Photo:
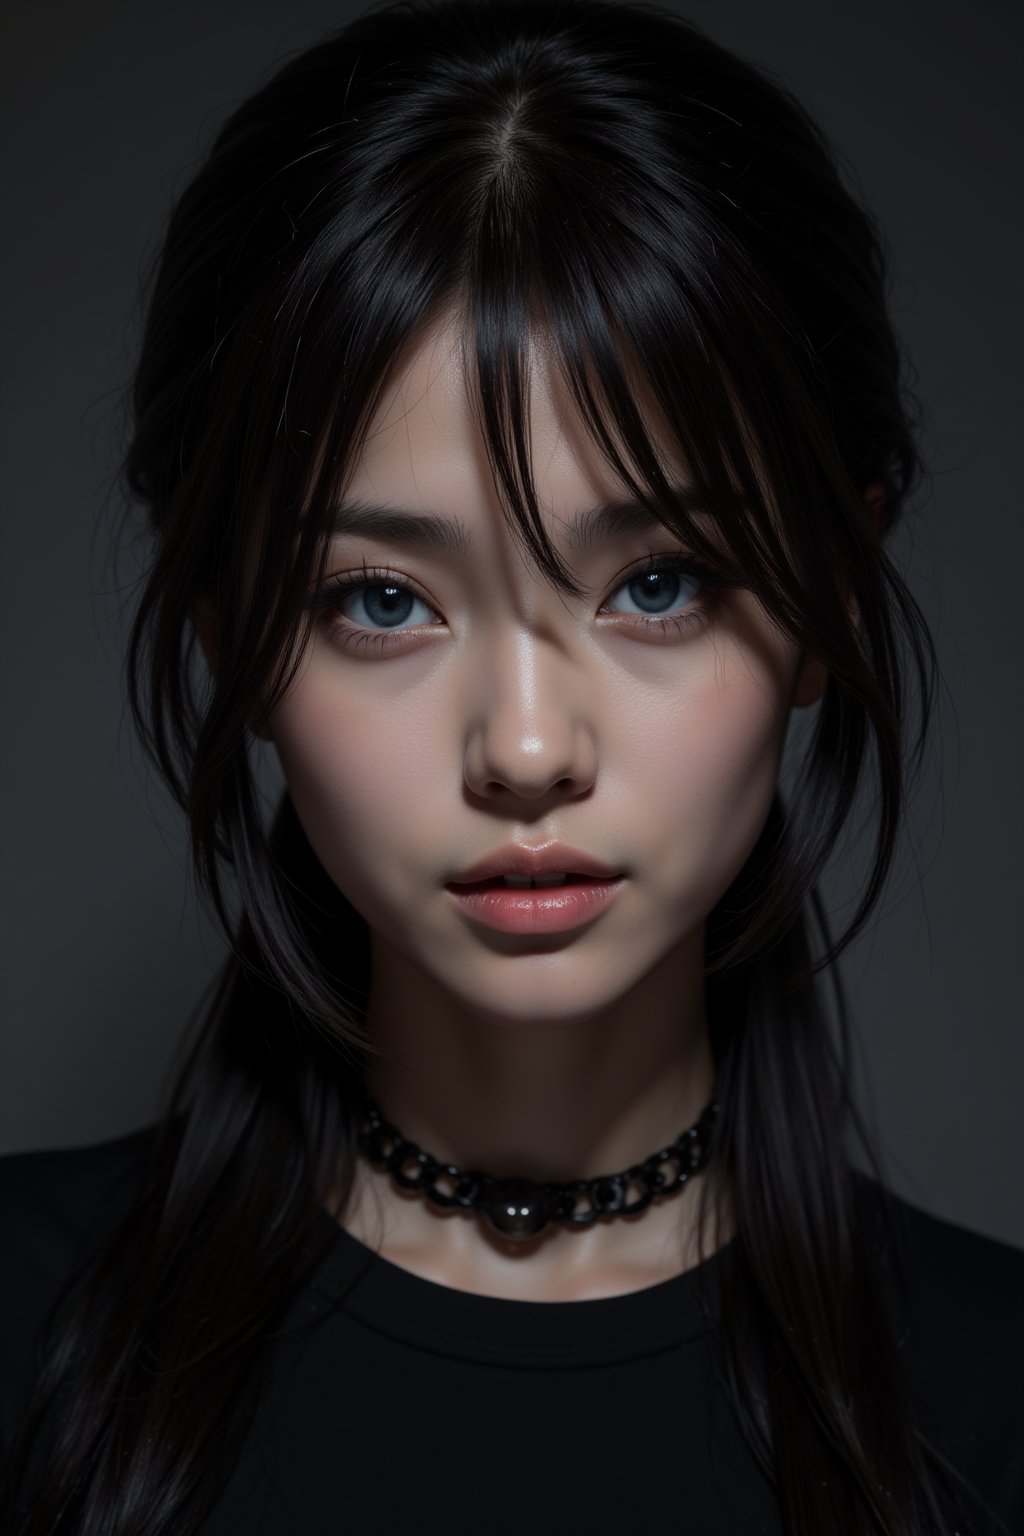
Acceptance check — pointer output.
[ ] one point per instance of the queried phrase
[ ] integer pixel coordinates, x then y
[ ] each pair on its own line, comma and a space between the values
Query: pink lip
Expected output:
552, 859
551, 909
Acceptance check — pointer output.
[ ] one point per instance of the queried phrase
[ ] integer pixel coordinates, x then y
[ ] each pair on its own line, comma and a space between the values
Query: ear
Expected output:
810, 682
204, 618
875, 500
812, 676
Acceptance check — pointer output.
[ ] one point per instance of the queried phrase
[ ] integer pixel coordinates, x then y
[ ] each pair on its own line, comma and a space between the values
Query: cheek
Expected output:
709, 760
359, 776
722, 750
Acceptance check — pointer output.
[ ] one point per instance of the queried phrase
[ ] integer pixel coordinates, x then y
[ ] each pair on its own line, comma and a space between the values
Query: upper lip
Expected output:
554, 859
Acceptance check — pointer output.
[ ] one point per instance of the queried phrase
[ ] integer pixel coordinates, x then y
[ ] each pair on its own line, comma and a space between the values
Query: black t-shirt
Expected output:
399, 1405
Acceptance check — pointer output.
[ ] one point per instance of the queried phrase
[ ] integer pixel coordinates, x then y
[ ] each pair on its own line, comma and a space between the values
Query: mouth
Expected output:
529, 906
522, 882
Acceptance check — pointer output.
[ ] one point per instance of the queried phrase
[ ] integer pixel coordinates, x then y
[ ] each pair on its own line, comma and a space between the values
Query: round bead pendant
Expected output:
518, 1208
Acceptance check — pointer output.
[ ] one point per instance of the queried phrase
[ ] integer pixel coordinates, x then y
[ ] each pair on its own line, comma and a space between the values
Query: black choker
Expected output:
522, 1207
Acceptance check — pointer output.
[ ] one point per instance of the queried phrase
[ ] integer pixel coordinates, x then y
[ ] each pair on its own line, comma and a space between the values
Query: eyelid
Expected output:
672, 560
366, 576
336, 587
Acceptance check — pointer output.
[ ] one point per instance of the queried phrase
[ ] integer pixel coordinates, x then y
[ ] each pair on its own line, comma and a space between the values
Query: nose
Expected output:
532, 723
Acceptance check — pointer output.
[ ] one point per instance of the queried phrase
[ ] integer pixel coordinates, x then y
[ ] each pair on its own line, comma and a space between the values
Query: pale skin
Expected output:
504, 712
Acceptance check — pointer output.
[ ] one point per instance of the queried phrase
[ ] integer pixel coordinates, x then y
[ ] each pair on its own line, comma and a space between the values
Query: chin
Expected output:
544, 991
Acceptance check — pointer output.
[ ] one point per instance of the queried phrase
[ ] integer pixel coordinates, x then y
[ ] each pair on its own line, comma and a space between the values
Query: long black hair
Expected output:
674, 222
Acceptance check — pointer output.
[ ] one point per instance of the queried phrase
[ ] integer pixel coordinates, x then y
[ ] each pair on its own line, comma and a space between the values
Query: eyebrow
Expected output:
429, 531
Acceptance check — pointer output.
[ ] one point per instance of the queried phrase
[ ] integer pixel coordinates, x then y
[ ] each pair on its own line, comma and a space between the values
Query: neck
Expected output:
551, 1099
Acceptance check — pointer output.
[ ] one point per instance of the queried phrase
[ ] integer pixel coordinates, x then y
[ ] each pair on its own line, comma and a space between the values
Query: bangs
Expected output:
653, 392
670, 378
678, 367
522, 195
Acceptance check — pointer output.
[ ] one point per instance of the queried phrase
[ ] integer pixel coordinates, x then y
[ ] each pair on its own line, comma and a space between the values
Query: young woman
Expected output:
521, 425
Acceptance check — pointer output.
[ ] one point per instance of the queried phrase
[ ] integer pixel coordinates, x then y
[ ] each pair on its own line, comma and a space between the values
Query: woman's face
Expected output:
453, 705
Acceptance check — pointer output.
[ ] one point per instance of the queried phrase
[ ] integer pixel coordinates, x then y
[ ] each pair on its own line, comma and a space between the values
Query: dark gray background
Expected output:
104, 952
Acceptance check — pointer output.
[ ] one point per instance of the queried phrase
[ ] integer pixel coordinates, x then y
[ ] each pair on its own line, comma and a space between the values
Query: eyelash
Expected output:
353, 637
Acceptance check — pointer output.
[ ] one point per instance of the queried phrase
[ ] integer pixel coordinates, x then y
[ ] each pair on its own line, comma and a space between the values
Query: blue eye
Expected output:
382, 604
659, 589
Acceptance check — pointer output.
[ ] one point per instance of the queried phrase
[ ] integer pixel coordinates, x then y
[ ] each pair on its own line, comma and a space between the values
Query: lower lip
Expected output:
537, 909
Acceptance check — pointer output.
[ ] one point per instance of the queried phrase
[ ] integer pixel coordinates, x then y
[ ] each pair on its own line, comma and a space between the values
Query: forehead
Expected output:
425, 448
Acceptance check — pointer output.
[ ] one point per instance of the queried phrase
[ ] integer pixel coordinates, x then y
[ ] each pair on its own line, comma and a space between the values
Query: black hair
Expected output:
676, 223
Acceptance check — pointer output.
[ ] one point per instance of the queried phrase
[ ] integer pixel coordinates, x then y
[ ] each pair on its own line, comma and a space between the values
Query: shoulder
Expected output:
56, 1209
957, 1301
948, 1270
53, 1202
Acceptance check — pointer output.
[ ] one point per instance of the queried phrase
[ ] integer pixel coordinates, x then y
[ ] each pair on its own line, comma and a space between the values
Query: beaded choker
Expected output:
520, 1208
